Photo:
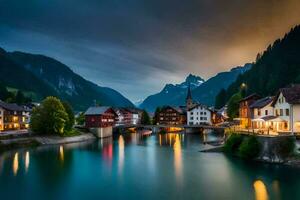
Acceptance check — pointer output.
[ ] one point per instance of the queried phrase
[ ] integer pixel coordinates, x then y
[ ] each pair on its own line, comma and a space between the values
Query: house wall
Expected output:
135, 118
263, 110
296, 117
170, 116
1, 119
281, 108
199, 115
95, 121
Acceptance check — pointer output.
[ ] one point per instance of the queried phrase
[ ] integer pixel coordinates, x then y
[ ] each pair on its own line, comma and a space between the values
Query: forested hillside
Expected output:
276, 67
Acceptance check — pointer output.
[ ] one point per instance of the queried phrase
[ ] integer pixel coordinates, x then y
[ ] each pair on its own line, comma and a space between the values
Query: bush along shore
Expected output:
266, 149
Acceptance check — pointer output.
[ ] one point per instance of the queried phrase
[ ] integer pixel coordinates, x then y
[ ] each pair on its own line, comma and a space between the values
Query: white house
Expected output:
135, 118
287, 109
262, 113
199, 114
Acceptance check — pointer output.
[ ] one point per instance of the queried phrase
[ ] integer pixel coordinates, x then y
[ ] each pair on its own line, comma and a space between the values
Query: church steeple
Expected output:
189, 94
189, 100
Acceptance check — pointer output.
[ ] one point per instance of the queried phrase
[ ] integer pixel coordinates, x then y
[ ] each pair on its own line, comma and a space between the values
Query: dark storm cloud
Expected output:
137, 46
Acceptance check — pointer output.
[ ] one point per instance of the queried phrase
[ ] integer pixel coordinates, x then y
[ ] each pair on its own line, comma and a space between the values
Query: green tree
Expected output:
80, 119
233, 105
156, 115
49, 118
145, 120
4, 94
20, 98
220, 99
71, 118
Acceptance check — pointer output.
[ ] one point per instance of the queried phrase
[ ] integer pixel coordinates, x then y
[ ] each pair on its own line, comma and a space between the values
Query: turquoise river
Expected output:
136, 166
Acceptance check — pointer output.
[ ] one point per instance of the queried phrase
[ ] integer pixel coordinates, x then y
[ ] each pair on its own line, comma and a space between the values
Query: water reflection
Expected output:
27, 160
276, 189
61, 153
16, 163
107, 150
177, 158
121, 153
260, 189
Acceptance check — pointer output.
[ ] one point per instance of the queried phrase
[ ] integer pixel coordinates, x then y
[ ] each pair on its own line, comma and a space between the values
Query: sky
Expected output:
138, 46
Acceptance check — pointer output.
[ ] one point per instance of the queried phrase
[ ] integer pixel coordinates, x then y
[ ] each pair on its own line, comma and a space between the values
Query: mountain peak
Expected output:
193, 80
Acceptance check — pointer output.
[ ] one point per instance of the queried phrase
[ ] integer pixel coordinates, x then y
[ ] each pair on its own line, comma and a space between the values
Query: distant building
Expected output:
99, 116
124, 116
262, 113
171, 116
287, 110
127, 116
136, 115
13, 116
245, 114
223, 112
199, 114
100, 120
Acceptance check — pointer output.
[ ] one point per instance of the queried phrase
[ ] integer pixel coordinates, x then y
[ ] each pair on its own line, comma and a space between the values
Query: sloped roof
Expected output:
254, 96
96, 110
267, 118
11, 106
262, 102
198, 104
178, 109
291, 94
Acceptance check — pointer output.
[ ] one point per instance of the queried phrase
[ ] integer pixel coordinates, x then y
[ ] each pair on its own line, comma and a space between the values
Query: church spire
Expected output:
189, 93
189, 101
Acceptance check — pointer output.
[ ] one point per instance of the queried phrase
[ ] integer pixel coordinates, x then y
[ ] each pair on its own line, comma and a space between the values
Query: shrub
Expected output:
286, 147
232, 144
249, 148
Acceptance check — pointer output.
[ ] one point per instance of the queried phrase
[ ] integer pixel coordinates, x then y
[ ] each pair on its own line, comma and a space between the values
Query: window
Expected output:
204, 113
201, 113
191, 118
201, 118
258, 112
266, 112
281, 112
192, 113
287, 112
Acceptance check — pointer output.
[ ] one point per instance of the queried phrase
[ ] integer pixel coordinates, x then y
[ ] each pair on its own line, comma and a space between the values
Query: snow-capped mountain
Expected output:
170, 92
202, 91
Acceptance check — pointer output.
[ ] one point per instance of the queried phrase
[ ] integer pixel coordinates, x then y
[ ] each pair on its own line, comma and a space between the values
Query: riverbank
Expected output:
36, 140
293, 161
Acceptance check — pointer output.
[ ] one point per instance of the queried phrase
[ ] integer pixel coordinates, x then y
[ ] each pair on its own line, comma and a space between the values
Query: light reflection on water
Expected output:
260, 189
178, 159
150, 165
121, 153
27, 161
61, 153
16, 163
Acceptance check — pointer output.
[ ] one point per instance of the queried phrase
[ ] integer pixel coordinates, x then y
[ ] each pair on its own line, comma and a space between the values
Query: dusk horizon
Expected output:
120, 44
